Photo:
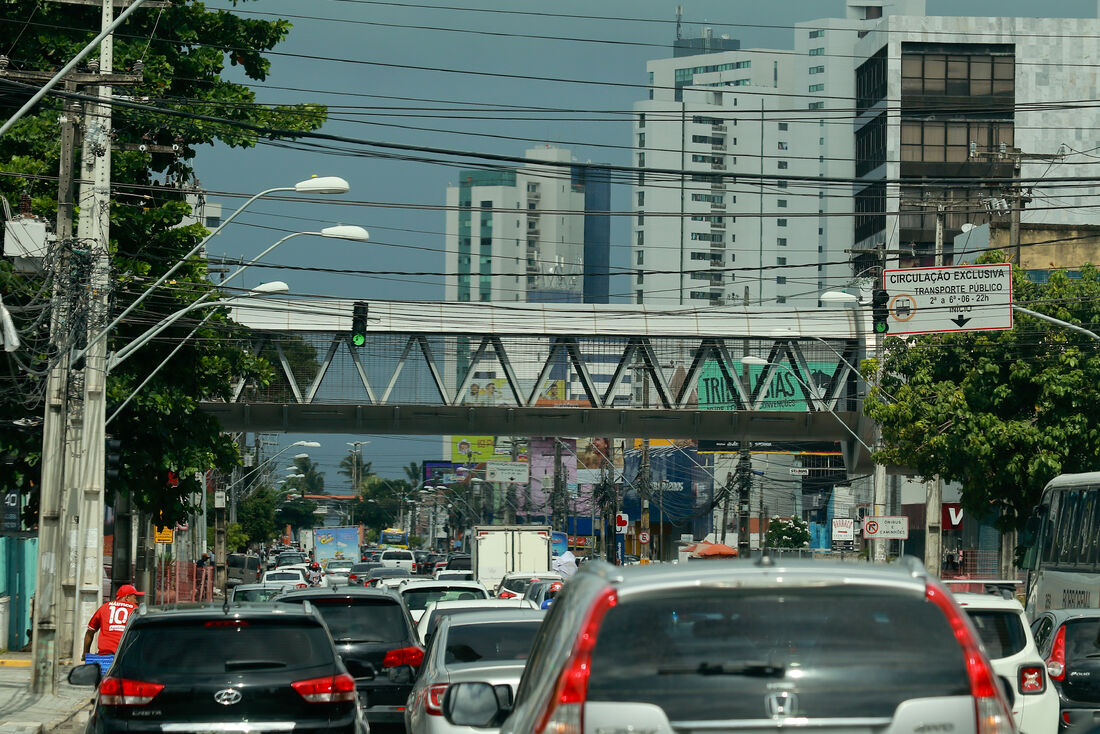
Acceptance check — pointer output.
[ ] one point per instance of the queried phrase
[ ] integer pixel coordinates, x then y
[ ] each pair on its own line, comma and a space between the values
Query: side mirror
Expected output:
359, 669
478, 705
85, 675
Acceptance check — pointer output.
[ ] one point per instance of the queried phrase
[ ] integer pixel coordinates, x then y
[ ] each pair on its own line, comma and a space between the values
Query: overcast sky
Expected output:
323, 61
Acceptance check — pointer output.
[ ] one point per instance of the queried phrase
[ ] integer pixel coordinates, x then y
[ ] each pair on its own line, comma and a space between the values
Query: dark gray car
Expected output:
744, 645
1069, 642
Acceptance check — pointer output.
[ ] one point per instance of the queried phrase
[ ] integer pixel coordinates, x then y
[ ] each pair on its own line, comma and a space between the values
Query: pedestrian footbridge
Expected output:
729, 374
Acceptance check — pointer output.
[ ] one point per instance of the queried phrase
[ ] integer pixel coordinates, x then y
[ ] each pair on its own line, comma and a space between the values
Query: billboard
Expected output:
337, 543
472, 449
784, 391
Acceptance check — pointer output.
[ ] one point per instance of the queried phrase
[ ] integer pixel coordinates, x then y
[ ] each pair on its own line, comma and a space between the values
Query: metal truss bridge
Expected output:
430, 368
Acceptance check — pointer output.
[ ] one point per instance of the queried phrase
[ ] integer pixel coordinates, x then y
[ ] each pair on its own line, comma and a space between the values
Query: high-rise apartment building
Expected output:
772, 140
529, 234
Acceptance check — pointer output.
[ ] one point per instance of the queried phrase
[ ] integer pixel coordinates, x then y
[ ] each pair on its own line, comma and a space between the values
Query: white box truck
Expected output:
500, 549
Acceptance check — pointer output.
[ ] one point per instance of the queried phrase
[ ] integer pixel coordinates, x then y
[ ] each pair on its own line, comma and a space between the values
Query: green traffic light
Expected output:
881, 327
359, 339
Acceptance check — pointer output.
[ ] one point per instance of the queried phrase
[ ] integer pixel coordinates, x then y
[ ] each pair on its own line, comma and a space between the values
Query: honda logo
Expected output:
781, 705
228, 696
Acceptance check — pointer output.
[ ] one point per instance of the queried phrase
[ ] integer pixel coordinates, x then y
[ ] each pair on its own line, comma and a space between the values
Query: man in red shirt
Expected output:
110, 620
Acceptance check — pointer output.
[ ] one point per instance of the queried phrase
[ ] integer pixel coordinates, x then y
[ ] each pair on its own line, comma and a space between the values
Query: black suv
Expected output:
376, 638
205, 669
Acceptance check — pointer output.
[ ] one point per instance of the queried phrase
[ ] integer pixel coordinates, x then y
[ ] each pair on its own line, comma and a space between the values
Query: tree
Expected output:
236, 539
788, 533
257, 515
353, 467
184, 50
415, 472
298, 514
1000, 412
313, 481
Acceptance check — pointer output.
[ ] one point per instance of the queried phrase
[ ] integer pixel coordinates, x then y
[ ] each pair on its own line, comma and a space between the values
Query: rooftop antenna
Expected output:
679, 16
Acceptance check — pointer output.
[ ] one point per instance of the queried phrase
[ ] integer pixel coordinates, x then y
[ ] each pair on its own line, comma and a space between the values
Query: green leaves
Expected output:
999, 412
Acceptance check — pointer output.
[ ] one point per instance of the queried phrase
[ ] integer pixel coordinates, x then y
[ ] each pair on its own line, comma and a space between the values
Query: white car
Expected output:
1007, 639
419, 593
514, 584
294, 577
431, 616
453, 575
395, 558
336, 573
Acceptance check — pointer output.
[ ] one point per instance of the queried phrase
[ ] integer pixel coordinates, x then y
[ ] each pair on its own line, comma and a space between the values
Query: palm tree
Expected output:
415, 472
312, 483
354, 468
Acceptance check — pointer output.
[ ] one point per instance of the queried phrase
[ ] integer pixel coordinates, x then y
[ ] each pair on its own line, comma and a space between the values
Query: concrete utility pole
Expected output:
557, 504
646, 486
744, 492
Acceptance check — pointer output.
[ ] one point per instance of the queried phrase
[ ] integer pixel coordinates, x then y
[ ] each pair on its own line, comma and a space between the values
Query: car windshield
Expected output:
211, 646
417, 599
475, 643
363, 620
267, 594
1001, 631
715, 654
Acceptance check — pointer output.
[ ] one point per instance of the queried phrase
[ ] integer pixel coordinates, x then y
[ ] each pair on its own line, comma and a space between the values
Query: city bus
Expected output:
1062, 543
394, 538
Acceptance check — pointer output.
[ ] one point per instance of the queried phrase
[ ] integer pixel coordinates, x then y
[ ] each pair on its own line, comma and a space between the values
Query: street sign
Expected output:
643, 538
844, 529
945, 299
621, 522
800, 471
895, 527
163, 535
507, 471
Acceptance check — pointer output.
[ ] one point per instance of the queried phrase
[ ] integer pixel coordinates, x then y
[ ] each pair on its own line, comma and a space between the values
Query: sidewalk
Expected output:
22, 712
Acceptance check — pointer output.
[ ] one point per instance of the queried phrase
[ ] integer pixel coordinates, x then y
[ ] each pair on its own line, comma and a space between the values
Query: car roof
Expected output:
216, 611
414, 583
460, 603
248, 587
1061, 615
344, 592
492, 616
974, 600
532, 574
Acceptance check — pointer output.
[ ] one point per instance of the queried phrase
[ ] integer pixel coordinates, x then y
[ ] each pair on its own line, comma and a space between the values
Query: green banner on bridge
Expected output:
784, 390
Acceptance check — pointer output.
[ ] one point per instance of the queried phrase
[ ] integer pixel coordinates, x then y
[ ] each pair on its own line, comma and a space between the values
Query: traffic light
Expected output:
880, 312
359, 324
113, 458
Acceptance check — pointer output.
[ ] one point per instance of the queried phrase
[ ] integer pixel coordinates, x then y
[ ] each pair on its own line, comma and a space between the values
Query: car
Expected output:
421, 558
445, 575
256, 593
459, 563
764, 644
337, 572
376, 639
290, 558
1002, 625
1069, 642
514, 584
370, 556
436, 611
539, 592
418, 594
375, 576
214, 669
430, 563
396, 558
357, 574
287, 576
242, 568
479, 646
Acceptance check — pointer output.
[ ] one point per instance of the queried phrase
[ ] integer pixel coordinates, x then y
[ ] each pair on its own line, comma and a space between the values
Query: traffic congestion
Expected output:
409, 640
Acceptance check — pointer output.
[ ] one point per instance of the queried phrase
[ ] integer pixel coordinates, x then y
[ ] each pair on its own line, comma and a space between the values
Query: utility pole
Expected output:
744, 492
556, 503
646, 492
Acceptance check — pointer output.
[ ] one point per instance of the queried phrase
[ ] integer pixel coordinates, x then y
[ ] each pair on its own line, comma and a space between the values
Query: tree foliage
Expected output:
184, 49
298, 514
788, 533
1000, 412
256, 514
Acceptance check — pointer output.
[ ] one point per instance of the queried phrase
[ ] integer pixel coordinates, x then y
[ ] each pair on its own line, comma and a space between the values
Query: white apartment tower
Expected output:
756, 128
516, 234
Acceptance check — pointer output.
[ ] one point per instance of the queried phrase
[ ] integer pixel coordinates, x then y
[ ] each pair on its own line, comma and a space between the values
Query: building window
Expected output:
641, 277
782, 145
641, 140
781, 203
781, 184
931, 141
641, 238
706, 237
781, 241
817, 51
486, 205
819, 33
782, 165
780, 280
780, 222
641, 219
641, 119
817, 69
780, 299
638, 293
640, 258
817, 87
641, 160
960, 75
821, 141
712, 198
780, 261
783, 126
641, 198
816, 105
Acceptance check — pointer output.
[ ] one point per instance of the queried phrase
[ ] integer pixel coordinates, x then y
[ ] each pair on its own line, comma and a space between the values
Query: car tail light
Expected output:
505, 594
1065, 718
1056, 663
433, 702
301, 586
124, 692
352, 578
413, 656
327, 689
565, 712
413, 568
1030, 679
990, 709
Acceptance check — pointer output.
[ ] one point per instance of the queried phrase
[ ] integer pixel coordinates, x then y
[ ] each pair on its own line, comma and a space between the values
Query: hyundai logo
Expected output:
227, 696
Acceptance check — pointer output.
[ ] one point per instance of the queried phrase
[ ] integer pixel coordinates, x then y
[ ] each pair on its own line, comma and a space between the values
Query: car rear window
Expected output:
459, 564
518, 585
256, 594
192, 648
362, 620
713, 653
282, 576
475, 643
1081, 640
397, 556
417, 599
1001, 631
